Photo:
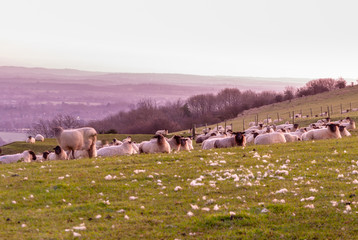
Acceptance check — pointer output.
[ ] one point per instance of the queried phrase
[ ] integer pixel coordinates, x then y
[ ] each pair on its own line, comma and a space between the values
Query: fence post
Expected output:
329, 115
311, 111
350, 107
267, 117
321, 111
341, 109
194, 126
278, 117
293, 117
225, 127
232, 129
331, 110
243, 124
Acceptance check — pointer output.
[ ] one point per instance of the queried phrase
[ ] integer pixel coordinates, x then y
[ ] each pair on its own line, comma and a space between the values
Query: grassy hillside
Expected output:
304, 190
348, 97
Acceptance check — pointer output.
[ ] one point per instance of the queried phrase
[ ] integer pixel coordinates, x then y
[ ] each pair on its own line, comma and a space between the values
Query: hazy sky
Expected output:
269, 38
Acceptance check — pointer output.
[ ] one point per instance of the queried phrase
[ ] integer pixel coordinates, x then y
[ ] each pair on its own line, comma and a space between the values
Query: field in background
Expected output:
337, 100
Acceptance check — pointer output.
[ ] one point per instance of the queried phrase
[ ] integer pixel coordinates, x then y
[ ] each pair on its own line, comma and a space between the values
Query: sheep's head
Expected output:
296, 125
341, 128
33, 155
177, 139
183, 141
160, 138
333, 127
240, 138
57, 131
45, 154
57, 150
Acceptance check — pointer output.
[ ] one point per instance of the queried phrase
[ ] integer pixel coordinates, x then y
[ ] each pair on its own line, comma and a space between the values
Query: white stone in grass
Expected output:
205, 209
355, 181
177, 188
133, 198
76, 234
121, 211
150, 176
96, 167
190, 214
232, 213
313, 190
348, 208
139, 171
98, 216
159, 163
340, 176
142, 207
311, 206
283, 190
60, 178
222, 161
93, 182
26, 178
108, 177
313, 162
80, 227
216, 207
13, 202
194, 206
23, 225
355, 172
264, 210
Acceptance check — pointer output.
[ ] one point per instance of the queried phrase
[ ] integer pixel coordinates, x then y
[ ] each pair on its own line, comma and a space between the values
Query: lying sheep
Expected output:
156, 145
291, 138
270, 138
30, 139
237, 140
350, 124
209, 143
127, 148
331, 131
202, 137
39, 138
175, 143
59, 154
251, 137
162, 132
186, 144
26, 156
77, 139
344, 132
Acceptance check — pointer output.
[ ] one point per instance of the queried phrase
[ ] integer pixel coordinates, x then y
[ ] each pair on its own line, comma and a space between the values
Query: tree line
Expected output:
147, 116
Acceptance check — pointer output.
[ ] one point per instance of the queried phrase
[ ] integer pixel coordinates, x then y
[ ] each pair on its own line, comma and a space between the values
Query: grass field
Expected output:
304, 190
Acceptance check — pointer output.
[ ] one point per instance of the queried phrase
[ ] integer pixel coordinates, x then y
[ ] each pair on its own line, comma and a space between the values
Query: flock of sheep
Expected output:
83, 143
261, 135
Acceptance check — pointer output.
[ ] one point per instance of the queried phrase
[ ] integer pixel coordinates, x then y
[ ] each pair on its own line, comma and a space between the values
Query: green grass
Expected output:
69, 193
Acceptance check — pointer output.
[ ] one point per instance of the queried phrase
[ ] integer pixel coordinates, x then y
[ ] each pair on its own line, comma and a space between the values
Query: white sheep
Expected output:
291, 138
77, 139
270, 138
209, 143
59, 154
186, 144
30, 139
251, 137
127, 148
39, 138
349, 123
344, 132
162, 132
332, 131
237, 140
175, 143
26, 156
156, 145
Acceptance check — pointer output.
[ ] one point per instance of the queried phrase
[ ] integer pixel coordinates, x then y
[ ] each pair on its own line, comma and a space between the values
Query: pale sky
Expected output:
264, 38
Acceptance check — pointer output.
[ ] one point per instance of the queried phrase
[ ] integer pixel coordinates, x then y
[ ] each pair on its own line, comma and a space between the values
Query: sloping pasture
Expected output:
302, 190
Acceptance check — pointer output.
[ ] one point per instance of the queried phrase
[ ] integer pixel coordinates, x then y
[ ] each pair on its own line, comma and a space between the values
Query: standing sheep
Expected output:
156, 145
77, 139
26, 156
